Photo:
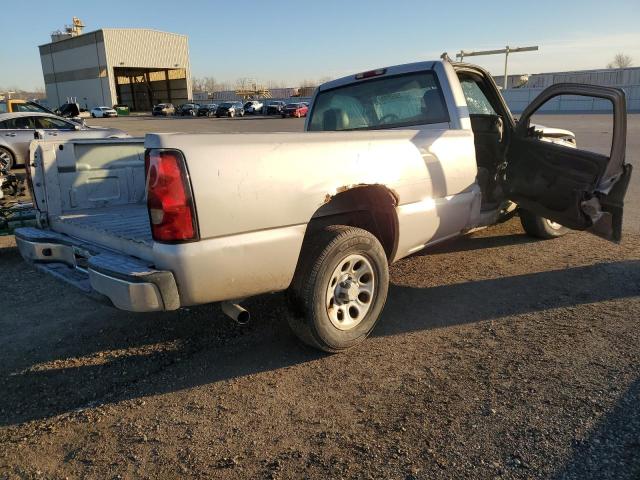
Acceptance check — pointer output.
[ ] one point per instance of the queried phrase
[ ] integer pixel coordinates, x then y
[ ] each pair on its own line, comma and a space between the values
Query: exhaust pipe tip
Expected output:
236, 313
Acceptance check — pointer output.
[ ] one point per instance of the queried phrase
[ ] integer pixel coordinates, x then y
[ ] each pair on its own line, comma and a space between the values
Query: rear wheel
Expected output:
339, 289
6, 158
541, 227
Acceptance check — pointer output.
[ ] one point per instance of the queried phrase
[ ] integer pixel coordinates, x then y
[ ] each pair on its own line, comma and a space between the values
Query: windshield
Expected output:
29, 107
293, 105
388, 102
226, 104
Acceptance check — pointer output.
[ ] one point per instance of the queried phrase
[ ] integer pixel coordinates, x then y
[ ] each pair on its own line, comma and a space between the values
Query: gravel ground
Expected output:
497, 356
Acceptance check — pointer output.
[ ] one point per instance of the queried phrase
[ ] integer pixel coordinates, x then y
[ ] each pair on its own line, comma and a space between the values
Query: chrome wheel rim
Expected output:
350, 292
553, 225
5, 158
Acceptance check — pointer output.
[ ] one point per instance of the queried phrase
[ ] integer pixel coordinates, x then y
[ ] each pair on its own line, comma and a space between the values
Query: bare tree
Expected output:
276, 84
209, 84
621, 60
197, 84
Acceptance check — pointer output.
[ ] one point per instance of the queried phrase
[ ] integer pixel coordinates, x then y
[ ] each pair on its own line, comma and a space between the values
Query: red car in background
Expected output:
295, 110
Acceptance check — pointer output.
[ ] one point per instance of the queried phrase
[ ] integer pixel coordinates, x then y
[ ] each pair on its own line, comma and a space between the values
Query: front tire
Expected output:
541, 227
7, 157
339, 288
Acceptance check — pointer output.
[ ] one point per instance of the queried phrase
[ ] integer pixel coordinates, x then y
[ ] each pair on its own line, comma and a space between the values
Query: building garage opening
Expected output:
137, 67
142, 88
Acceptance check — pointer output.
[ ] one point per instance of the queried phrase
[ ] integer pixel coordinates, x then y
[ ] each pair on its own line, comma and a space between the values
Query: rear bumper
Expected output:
125, 282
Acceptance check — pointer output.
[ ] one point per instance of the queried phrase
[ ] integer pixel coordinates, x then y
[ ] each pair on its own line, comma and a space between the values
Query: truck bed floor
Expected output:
125, 227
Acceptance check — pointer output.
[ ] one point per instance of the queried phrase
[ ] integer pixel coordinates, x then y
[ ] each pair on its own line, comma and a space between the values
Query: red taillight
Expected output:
171, 210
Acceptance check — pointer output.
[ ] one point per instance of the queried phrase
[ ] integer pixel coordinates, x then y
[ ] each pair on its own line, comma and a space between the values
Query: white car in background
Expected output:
253, 107
99, 112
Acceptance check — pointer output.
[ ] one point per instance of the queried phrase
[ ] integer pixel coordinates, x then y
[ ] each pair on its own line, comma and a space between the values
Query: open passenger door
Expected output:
579, 189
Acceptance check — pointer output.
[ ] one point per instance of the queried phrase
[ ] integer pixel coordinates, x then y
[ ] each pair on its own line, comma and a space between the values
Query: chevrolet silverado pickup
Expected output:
391, 161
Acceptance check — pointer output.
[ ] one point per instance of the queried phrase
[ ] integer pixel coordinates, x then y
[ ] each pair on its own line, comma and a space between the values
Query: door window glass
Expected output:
20, 123
50, 123
477, 101
575, 121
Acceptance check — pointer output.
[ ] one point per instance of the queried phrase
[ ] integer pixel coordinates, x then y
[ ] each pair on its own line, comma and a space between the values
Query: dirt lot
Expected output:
497, 356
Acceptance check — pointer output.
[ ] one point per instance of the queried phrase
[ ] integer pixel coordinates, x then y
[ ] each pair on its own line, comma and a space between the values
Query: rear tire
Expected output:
541, 227
339, 288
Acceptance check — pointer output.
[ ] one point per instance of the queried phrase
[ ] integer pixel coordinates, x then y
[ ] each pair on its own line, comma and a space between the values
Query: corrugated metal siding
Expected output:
611, 77
518, 98
145, 48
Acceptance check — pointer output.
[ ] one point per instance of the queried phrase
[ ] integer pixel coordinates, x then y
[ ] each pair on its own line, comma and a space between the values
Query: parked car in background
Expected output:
17, 131
17, 105
188, 109
100, 112
295, 110
275, 107
230, 109
207, 110
67, 110
165, 109
253, 107
70, 110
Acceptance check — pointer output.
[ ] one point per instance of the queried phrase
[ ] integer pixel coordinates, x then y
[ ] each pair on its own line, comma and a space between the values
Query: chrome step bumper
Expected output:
127, 282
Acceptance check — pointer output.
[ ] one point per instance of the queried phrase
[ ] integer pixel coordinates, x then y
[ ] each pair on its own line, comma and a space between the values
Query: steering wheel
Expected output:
389, 117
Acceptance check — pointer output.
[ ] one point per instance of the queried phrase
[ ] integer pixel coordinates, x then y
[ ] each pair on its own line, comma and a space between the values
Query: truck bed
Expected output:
124, 228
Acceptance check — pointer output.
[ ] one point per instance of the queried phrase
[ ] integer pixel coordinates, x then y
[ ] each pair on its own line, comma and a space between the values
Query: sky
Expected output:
292, 40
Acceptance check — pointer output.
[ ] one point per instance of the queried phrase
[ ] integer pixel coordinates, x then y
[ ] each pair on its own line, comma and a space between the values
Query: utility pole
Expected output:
507, 50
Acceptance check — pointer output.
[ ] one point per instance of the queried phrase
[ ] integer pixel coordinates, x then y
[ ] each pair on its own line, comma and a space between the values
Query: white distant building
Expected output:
609, 77
133, 66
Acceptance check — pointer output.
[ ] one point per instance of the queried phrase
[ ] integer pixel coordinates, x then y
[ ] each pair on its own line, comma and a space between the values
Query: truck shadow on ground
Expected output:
119, 356
614, 437
477, 243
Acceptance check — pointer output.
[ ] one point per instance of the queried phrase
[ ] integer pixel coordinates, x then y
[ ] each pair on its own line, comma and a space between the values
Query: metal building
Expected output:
132, 66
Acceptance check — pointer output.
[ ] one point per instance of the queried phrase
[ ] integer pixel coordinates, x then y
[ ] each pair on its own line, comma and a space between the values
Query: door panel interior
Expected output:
576, 188
553, 180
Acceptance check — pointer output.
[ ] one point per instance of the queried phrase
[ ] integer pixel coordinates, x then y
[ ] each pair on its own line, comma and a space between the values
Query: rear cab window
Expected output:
388, 102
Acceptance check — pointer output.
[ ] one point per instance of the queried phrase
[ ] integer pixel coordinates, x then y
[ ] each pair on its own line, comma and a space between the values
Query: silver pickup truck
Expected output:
392, 160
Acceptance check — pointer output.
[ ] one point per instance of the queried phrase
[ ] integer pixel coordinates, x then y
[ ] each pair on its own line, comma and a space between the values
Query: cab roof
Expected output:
393, 70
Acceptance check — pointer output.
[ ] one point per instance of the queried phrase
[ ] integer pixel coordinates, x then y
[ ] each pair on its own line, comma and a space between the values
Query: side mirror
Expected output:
77, 127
